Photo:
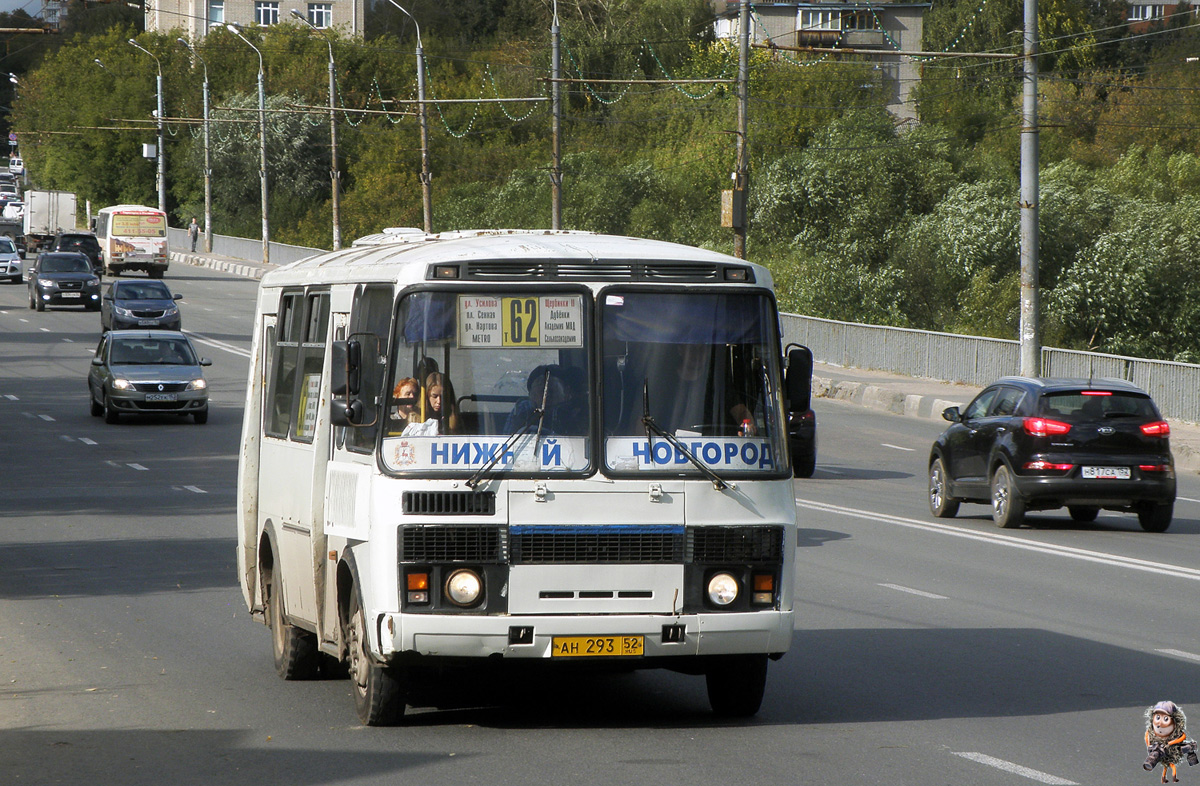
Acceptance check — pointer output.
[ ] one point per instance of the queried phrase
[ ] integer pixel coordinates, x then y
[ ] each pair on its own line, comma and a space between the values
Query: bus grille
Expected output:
735, 544
449, 503
620, 544
451, 543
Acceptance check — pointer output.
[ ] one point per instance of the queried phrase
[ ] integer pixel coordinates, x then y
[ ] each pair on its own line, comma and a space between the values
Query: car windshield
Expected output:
143, 290
1097, 404
6, 246
151, 351
66, 265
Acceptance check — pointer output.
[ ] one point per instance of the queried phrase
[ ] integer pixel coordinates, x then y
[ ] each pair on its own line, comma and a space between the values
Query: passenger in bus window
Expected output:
440, 403
546, 387
406, 394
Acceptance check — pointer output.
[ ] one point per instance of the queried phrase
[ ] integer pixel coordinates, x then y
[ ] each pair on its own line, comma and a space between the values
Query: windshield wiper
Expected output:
540, 412
674, 441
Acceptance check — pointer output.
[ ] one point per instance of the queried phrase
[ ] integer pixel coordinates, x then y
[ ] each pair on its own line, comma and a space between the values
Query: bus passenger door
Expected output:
294, 450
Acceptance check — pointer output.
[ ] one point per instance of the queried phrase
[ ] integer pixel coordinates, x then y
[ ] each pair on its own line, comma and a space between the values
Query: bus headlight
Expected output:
722, 589
464, 587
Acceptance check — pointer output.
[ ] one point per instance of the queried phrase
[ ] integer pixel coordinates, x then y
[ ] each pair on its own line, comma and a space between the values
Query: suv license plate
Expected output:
596, 646
72, 294
161, 397
1106, 473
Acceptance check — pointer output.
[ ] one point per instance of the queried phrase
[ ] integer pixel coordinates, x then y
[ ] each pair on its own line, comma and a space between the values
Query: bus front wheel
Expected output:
378, 688
736, 684
295, 650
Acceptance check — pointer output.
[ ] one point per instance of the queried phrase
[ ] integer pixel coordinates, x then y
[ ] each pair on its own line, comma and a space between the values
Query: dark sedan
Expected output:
147, 372
1038, 444
138, 303
83, 242
63, 279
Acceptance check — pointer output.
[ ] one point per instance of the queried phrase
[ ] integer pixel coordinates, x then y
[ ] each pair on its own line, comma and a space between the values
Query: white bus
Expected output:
607, 478
132, 237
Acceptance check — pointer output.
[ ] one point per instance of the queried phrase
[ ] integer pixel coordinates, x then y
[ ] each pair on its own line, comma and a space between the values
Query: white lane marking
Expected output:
912, 591
24, 320
87, 441
138, 467
1180, 654
1015, 769
11, 397
215, 344
831, 471
1116, 560
195, 489
1188, 499
69, 340
66, 437
897, 447
46, 418
44, 330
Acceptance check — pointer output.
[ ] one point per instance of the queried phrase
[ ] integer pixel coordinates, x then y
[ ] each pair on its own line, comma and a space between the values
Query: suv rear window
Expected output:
69, 243
1106, 404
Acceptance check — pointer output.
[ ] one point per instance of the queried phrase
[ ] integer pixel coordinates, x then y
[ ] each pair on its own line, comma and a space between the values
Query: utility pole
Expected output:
1030, 331
555, 125
741, 175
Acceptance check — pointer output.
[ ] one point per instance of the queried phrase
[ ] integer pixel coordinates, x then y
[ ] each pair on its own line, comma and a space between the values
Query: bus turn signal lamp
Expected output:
418, 588
764, 589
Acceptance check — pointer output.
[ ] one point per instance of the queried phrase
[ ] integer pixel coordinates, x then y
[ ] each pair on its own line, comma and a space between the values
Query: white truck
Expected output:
46, 214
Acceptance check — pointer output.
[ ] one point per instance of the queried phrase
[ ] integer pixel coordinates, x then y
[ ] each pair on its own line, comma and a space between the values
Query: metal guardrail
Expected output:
242, 248
976, 360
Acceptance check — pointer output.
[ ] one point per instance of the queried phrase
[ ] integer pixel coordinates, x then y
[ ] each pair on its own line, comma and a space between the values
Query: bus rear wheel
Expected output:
736, 684
378, 689
295, 650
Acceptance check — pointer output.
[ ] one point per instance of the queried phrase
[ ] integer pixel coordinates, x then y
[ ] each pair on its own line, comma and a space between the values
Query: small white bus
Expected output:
132, 237
520, 445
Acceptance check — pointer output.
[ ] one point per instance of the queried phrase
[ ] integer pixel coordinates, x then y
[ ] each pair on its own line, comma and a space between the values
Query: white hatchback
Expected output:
10, 260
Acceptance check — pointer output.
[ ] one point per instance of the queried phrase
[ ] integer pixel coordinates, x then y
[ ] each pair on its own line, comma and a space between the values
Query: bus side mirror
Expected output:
798, 380
345, 368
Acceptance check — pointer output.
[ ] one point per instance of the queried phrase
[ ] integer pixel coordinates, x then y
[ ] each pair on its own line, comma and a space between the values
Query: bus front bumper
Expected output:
662, 636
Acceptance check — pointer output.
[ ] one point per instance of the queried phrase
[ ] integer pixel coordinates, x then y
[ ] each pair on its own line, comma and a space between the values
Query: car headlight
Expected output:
122, 384
124, 312
171, 310
198, 384
463, 587
93, 282
722, 589
47, 282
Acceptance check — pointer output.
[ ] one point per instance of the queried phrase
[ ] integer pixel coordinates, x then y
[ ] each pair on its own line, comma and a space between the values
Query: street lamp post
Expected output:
161, 154
423, 117
334, 174
262, 144
207, 161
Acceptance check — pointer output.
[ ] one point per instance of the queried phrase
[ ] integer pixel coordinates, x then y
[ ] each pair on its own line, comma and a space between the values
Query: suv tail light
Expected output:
1158, 428
1047, 466
1044, 427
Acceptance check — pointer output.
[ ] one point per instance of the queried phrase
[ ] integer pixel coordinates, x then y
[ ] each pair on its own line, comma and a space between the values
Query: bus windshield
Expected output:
695, 366
481, 379
502, 383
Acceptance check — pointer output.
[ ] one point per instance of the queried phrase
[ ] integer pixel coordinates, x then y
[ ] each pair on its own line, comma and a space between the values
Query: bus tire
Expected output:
378, 689
295, 650
736, 684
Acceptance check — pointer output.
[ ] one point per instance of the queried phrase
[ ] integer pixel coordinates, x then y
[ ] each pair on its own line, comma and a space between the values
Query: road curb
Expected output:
882, 397
224, 265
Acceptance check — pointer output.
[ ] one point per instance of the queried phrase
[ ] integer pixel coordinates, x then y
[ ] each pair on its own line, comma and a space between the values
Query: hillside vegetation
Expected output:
859, 217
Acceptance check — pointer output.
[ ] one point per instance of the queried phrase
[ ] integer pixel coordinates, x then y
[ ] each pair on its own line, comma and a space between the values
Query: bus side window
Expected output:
283, 366
311, 362
371, 313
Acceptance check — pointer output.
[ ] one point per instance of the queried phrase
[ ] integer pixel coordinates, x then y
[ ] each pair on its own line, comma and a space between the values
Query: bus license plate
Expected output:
1106, 473
596, 646
161, 397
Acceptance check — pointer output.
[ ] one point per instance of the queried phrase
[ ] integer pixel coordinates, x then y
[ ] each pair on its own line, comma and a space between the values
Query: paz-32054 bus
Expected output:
520, 445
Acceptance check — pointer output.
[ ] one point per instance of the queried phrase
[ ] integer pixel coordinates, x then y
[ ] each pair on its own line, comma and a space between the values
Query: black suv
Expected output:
83, 242
1037, 444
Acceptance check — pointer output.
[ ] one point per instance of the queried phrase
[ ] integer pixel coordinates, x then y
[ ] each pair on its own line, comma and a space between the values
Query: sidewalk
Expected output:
907, 396
926, 398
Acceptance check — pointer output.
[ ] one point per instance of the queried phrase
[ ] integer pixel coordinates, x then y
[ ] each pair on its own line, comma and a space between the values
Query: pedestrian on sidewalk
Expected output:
193, 233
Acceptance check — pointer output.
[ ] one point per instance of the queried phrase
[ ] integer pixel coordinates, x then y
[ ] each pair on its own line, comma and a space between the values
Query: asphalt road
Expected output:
926, 651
